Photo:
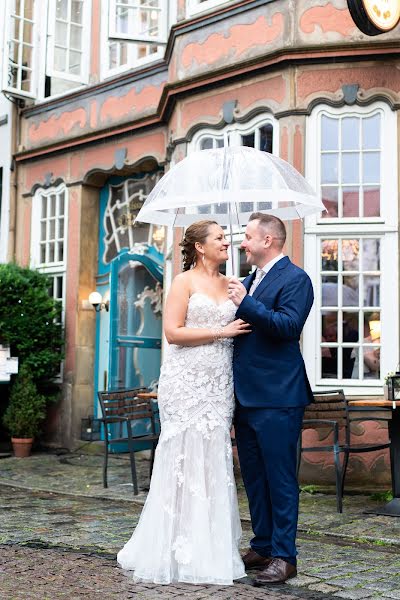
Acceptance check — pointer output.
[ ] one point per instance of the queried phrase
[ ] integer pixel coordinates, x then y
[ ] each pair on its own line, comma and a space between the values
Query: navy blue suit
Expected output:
272, 389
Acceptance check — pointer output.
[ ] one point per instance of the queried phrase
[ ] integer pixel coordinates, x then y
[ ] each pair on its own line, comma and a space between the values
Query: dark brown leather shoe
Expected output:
278, 571
252, 560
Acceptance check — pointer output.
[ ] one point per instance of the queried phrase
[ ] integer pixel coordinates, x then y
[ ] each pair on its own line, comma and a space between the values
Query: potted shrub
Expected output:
25, 412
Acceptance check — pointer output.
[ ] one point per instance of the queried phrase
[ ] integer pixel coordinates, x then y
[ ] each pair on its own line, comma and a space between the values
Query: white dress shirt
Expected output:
260, 273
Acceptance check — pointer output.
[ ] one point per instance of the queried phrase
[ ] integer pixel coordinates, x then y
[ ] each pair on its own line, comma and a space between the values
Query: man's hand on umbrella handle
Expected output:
236, 290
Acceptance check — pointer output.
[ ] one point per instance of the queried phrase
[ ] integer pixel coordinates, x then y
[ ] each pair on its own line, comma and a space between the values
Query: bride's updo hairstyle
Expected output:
197, 232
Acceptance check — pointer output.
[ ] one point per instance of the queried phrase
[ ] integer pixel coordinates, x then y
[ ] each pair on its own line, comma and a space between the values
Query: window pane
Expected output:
372, 284
350, 255
329, 133
329, 291
60, 251
371, 167
52, 232
372, 358
329, 363
52, 205
350, 201
220, 143
248, 140
354, 357
244, 267
75, 59
42, 253
60, 233
60, 60
350, 327
329, 196
329, 168
206, 143
62, 9
59, 288
43, 231
372, 201
51, 252
350, 291
371, 132
44, 207
28, 32
329, 326
266, 134
351, 167
329, 255
349, 362
61, 198
76, 11
350, 133
371, 255
61, 35
76, 37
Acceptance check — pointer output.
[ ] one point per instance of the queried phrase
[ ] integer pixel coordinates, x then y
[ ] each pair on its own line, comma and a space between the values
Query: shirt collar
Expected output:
272, 262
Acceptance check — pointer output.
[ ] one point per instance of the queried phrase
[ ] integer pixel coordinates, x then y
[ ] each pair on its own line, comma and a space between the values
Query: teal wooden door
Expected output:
135, 320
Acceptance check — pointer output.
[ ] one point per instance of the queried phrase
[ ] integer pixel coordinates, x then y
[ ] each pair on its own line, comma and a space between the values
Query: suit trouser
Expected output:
267, 445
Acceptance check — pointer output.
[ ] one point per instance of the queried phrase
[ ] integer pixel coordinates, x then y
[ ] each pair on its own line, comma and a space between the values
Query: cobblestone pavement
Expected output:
58, 546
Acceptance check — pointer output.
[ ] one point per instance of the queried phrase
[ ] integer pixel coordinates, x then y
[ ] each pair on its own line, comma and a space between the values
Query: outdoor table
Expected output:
147, 395
392, 508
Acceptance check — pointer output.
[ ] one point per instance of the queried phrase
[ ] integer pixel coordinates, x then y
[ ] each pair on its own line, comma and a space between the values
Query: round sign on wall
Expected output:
374, 17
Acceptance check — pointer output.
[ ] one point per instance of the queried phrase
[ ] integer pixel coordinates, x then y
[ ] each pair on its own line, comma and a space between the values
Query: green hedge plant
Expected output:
30, 321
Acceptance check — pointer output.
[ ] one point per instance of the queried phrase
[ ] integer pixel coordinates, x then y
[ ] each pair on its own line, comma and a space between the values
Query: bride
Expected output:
189, 529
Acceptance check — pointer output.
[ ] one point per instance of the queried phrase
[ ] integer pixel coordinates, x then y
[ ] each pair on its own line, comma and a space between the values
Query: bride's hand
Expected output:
237, 327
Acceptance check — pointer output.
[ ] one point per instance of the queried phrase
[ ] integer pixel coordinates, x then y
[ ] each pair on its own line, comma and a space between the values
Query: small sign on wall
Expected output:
374, 17
8, 364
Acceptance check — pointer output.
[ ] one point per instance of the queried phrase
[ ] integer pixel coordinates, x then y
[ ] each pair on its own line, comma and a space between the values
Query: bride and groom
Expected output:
234, 352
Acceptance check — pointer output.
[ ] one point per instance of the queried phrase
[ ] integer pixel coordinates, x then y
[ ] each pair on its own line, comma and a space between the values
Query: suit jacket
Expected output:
268, 366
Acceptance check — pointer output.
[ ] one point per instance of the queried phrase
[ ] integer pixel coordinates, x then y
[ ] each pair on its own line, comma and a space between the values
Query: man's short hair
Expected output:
272, 225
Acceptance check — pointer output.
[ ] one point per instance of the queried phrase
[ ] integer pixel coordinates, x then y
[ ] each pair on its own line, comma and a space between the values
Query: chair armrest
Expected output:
324, 421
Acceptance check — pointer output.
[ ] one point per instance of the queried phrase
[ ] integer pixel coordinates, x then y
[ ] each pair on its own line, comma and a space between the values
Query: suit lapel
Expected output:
273, 274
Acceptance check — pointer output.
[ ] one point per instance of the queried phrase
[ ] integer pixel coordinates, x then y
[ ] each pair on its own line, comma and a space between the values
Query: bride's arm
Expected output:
175, 315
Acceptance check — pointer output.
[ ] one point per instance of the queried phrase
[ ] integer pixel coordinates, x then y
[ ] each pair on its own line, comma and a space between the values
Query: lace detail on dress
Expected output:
189, 529
196, 383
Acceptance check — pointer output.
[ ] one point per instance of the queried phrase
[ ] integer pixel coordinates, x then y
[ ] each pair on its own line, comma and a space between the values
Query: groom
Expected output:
271, 389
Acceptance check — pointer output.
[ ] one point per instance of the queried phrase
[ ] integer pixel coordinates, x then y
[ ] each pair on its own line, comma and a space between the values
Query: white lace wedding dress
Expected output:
189, 529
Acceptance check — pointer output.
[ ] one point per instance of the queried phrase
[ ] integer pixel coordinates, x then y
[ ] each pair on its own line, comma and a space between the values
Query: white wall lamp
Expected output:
98, 302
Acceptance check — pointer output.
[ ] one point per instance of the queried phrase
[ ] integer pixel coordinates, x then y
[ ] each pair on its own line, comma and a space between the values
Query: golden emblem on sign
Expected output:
384, 14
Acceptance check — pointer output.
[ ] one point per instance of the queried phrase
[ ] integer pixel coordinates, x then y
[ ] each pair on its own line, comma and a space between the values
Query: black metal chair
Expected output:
330, 410
119, 409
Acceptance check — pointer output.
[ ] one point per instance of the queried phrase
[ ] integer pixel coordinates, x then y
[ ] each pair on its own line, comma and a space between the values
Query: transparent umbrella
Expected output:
227, 185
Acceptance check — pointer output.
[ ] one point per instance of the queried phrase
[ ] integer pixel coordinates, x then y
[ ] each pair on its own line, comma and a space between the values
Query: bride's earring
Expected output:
203, 258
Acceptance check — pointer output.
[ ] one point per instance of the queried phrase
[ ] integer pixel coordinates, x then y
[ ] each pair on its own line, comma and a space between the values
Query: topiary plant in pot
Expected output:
25, 412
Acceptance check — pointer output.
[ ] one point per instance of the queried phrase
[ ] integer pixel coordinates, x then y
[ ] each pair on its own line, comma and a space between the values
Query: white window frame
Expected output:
232, 135
194, 7
83, 77
132, 60
384, 226
55, 268
16, 91
113, 34
43, 45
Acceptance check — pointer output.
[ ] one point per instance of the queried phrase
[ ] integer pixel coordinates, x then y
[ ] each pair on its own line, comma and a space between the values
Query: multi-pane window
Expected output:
350, 252
49, 238
128, 31
350, 166
139, 20
19, 48
61, 39
350, 321
52, 228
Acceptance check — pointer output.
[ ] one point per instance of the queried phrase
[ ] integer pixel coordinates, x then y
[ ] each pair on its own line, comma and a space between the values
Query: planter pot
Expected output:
22, 447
